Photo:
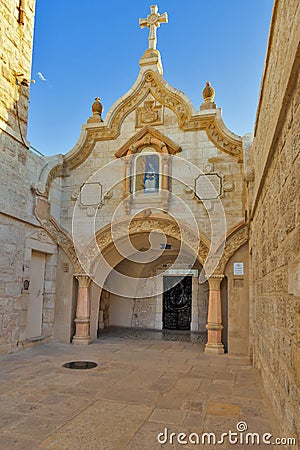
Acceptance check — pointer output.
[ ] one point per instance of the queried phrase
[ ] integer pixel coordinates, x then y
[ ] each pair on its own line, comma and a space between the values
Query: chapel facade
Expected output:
147, 200
153, 219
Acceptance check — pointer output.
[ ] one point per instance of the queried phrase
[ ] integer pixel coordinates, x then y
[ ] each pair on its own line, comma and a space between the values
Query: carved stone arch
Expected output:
105, 237
158, 145
63, 239
235, 239
154, 84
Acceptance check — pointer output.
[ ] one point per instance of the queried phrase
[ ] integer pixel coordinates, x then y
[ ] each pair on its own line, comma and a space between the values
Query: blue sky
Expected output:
84, 49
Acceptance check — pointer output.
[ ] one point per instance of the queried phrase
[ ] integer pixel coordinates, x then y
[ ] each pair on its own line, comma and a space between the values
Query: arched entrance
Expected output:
158, 285
140, 231
136, 291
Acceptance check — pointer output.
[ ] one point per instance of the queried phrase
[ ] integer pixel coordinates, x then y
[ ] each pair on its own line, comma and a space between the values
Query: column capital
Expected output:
165, 156
83, 280
215, 282
127, 160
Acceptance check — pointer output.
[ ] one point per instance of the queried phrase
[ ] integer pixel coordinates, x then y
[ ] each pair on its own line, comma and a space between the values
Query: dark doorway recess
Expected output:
177, 303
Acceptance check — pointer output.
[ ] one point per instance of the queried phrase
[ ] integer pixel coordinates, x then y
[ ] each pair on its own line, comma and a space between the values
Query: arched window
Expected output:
146, 172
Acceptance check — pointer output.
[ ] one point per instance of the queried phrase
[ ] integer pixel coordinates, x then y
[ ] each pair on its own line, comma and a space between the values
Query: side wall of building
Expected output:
17, 21
275, 227
20, 232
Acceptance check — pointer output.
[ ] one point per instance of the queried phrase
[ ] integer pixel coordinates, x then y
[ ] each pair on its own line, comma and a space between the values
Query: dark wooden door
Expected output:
177, 303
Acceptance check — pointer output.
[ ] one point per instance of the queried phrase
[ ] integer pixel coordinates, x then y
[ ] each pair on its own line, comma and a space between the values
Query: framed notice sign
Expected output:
238, 268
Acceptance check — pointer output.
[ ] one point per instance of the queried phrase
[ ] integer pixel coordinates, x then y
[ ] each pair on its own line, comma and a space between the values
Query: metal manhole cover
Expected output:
81, 365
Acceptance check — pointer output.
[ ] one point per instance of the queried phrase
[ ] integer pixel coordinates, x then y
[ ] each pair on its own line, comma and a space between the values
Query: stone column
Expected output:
165, 172
127, 176
128, 160
165, 181
214, 324
82, 321
195, 305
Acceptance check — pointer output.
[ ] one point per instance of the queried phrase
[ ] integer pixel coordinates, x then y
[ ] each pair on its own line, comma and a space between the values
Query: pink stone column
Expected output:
82, 321
214, 323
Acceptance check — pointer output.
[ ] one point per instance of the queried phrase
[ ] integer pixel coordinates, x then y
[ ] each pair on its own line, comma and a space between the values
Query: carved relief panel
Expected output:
149, 114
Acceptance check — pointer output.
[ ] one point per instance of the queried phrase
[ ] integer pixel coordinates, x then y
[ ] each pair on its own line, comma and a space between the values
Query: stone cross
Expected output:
153, 22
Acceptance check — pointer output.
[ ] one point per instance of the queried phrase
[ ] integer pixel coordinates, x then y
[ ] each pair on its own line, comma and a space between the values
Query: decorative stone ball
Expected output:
208, 93
97, 107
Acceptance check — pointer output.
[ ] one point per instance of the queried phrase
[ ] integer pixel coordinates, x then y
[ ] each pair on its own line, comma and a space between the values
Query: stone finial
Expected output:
208, 95
97, 109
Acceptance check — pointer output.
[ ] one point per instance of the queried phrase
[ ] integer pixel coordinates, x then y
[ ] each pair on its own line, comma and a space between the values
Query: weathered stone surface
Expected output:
275, 232
47, 406
266, 186
15, 33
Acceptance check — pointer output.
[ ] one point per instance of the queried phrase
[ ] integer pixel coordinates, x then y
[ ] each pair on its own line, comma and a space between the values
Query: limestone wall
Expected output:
238, 304
275, 230
197, 150
19, 171
16, 32
18, 239
20, 232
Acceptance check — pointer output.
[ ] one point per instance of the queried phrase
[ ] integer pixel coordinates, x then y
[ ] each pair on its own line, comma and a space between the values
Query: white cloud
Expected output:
41, 76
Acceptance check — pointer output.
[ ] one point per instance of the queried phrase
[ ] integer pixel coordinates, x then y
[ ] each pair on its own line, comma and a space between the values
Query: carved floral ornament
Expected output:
151, 83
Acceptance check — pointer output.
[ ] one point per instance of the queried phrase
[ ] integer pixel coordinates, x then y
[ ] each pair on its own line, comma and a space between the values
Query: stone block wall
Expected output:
20, 232
17, 240
16, 33
198, 152
275, 227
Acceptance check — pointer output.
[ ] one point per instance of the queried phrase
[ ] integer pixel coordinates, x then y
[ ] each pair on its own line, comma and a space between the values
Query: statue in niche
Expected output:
147, 173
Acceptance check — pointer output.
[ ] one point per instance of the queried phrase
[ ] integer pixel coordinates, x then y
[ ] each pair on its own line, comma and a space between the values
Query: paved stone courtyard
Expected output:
141, 386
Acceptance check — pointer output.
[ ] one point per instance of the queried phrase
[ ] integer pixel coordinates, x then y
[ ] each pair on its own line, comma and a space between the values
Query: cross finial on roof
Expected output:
153, 22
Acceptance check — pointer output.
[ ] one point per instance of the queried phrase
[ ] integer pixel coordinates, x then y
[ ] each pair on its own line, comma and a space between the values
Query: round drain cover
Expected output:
81, 365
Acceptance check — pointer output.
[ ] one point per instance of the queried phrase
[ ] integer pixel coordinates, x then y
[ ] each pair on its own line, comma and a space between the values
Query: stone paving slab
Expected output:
139, 389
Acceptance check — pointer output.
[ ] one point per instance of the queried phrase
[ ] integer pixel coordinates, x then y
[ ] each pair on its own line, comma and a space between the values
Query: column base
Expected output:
81, 340
214, 349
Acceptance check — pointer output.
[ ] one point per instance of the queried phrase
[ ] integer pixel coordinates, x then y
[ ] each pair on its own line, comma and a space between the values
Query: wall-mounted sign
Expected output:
238, 268
193, 272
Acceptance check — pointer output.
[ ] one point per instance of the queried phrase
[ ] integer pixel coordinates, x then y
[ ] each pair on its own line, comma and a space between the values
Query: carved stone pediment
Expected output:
41, 236
148, 83
148, 136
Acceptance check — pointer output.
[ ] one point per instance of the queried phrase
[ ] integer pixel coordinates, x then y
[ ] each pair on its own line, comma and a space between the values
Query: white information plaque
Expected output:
238, 268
